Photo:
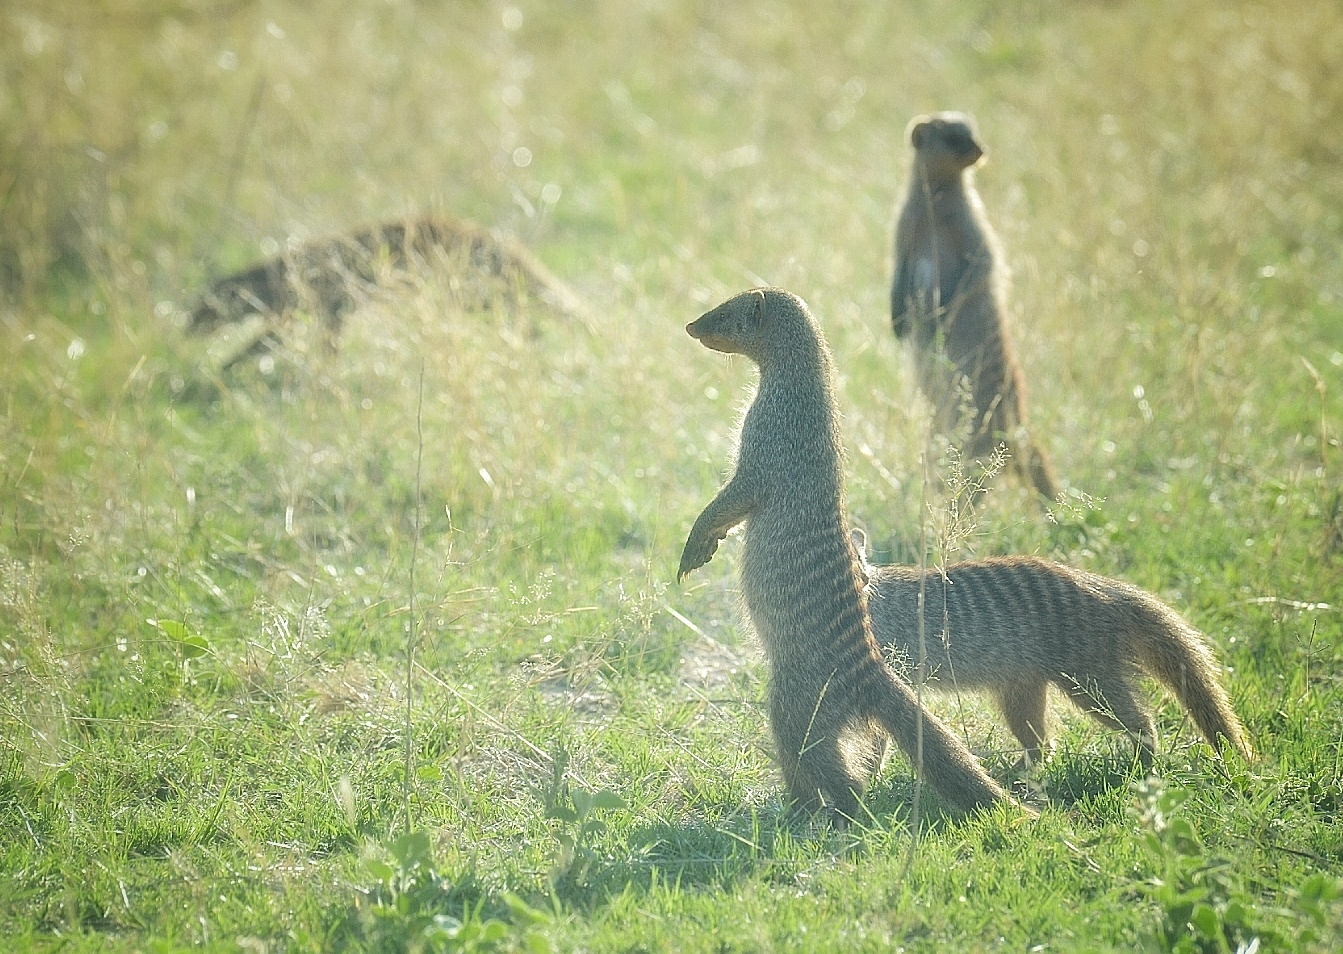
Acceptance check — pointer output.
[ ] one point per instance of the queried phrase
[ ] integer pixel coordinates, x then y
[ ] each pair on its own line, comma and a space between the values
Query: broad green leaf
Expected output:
173, 629
522, 911
193, 645
190, 644
379, 870
1204, 919
607, 799
410, 850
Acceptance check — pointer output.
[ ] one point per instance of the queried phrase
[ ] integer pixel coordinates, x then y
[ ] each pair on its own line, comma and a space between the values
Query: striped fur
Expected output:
327, 276
801, 579
948, 296
1014, 625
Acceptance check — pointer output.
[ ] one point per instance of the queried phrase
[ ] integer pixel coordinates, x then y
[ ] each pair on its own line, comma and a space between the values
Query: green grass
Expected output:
1166, 180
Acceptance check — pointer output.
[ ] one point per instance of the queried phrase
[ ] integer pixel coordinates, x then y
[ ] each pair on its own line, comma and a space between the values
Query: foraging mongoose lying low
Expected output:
1013, 625
800, 573
326, 276
948, 297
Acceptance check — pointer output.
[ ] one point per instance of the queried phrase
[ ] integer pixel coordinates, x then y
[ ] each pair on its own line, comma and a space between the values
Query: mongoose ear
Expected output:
859, 537
758, 315
917, 131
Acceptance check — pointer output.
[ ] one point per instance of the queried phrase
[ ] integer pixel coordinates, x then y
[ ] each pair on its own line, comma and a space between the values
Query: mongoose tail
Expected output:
1173, 653
935, 752
801, 581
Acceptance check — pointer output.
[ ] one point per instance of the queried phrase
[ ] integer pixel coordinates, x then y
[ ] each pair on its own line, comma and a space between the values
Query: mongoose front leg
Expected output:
732, 505
900, 304
1112, 704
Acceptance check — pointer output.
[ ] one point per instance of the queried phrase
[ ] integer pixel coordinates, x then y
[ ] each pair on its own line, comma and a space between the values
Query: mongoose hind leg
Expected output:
1111, 702
809, 750
1035, 469
1023, 705
868, 748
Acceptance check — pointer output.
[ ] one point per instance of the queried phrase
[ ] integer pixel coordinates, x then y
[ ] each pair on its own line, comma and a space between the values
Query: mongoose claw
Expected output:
698, 551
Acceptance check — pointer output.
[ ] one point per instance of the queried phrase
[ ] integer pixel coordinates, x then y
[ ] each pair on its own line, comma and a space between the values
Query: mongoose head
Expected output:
752, 323
945, 144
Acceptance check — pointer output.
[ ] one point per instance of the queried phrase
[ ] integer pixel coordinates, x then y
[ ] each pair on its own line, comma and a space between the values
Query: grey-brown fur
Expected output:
1014, 625
327, 276
800, 574
948, 299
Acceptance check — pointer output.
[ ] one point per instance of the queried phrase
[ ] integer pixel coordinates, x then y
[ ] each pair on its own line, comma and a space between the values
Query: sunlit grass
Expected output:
1166, 182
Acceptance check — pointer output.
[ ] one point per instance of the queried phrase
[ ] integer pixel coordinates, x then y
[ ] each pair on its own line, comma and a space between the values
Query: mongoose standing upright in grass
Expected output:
948, 298
326, 275
800, 572
1013, 625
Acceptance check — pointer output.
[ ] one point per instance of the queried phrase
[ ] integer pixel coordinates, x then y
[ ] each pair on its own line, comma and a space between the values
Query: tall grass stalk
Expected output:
412, 630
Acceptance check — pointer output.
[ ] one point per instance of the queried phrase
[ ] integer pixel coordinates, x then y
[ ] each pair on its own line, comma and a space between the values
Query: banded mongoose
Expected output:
948, 297
1013, 625
326, 276
800, 573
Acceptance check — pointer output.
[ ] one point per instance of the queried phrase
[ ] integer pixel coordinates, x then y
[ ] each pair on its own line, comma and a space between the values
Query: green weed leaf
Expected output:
171, 628
608, 800
1205, 921
411, 850
562, 813
522, 911
191, 645
379, 871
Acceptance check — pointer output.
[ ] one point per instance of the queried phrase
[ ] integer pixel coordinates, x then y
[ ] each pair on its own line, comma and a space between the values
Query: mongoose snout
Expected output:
731, 330
697, 330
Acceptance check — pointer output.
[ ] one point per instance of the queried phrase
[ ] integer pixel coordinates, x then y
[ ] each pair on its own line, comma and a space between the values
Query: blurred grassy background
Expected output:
1166, 179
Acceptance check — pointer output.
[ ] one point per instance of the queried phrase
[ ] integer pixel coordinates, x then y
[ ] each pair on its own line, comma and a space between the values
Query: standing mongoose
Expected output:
800, 574
1013, 625
326, 276
948, 297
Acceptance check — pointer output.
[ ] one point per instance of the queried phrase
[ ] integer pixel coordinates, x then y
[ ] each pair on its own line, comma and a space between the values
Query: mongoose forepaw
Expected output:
698, 551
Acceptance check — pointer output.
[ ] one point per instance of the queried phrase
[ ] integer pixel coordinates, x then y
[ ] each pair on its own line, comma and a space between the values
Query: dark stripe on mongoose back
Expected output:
801, 580
1016, 624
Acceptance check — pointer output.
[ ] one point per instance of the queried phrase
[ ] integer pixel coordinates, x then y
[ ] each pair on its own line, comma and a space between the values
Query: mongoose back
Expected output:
1013, 625
800, 574
326, 276
948, 298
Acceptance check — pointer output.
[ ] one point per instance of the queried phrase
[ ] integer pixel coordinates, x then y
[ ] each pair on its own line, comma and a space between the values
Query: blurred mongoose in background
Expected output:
326, 276
1013, 625
948, 298
800, 574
